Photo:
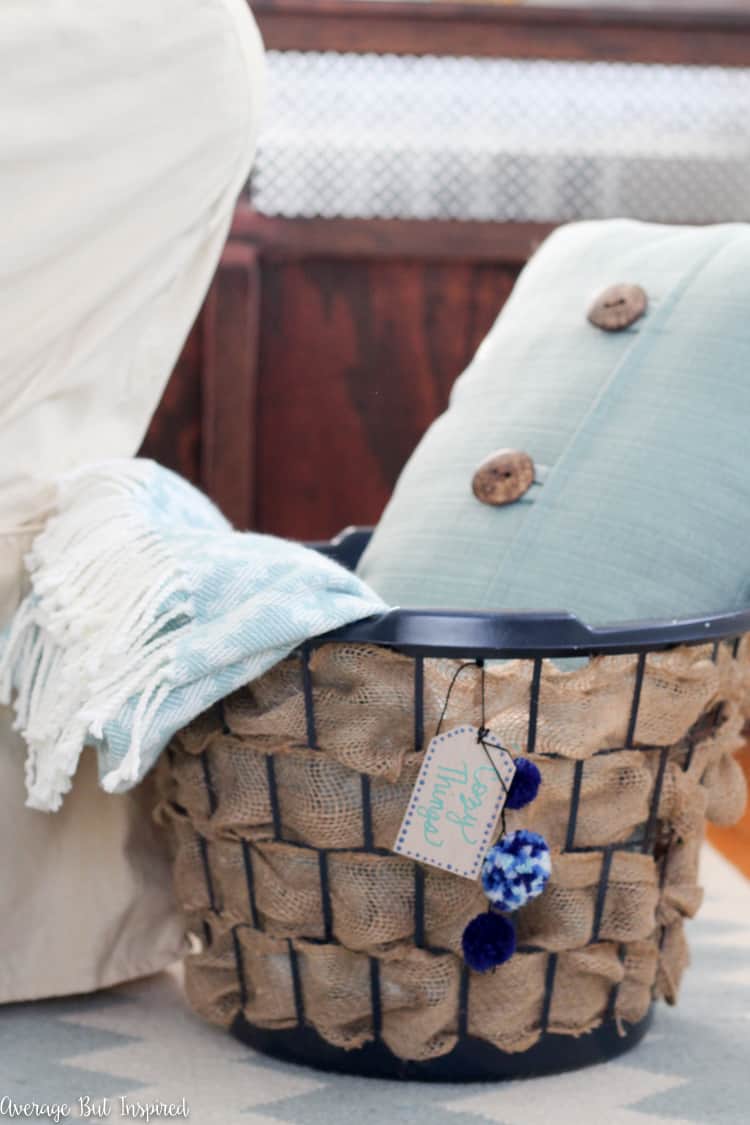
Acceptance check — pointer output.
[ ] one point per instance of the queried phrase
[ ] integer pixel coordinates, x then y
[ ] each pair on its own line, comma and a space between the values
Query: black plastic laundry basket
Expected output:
474, 637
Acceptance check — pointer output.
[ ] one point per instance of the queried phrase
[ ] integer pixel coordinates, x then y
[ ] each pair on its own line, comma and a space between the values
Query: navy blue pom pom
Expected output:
488, 940
525, 785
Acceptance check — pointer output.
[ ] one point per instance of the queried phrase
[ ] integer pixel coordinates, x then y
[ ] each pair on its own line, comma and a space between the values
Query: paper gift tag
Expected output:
457, 802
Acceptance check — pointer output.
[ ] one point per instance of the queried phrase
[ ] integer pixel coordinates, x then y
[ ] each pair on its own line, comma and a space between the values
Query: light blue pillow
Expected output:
642, 436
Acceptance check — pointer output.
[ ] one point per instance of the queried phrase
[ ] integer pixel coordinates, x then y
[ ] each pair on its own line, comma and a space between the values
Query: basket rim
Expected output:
514, 634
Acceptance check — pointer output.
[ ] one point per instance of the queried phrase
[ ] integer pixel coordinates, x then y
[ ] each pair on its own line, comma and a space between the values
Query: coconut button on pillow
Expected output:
503, 477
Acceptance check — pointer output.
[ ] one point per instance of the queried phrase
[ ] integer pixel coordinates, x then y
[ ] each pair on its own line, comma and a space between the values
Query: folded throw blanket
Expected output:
145, 609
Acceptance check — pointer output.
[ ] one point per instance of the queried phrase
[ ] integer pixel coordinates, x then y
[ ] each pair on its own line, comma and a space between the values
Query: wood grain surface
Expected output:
310, 376
663, 31
357, 358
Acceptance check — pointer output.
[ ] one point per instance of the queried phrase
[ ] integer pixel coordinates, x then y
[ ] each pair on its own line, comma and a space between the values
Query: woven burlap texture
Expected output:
254, 885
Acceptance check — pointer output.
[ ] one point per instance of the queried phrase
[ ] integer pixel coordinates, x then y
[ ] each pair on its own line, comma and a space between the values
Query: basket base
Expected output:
471, 1060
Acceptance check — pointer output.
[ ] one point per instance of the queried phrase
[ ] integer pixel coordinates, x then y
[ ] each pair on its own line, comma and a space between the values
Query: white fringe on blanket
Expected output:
145, 609
91, 635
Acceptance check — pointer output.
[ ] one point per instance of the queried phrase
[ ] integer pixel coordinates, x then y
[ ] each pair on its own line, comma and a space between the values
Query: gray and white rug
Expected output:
142, 1044
385, 136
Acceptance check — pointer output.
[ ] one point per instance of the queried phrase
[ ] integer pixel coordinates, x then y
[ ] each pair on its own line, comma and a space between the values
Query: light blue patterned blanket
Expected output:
145, 608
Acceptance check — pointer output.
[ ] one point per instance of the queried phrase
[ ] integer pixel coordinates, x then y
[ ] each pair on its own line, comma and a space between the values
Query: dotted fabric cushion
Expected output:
641, 434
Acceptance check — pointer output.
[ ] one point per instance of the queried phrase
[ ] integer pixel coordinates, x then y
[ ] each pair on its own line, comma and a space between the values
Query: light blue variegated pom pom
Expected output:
516, 869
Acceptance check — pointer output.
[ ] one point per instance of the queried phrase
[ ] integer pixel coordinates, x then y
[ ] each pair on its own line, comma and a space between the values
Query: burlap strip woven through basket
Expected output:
283, 862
